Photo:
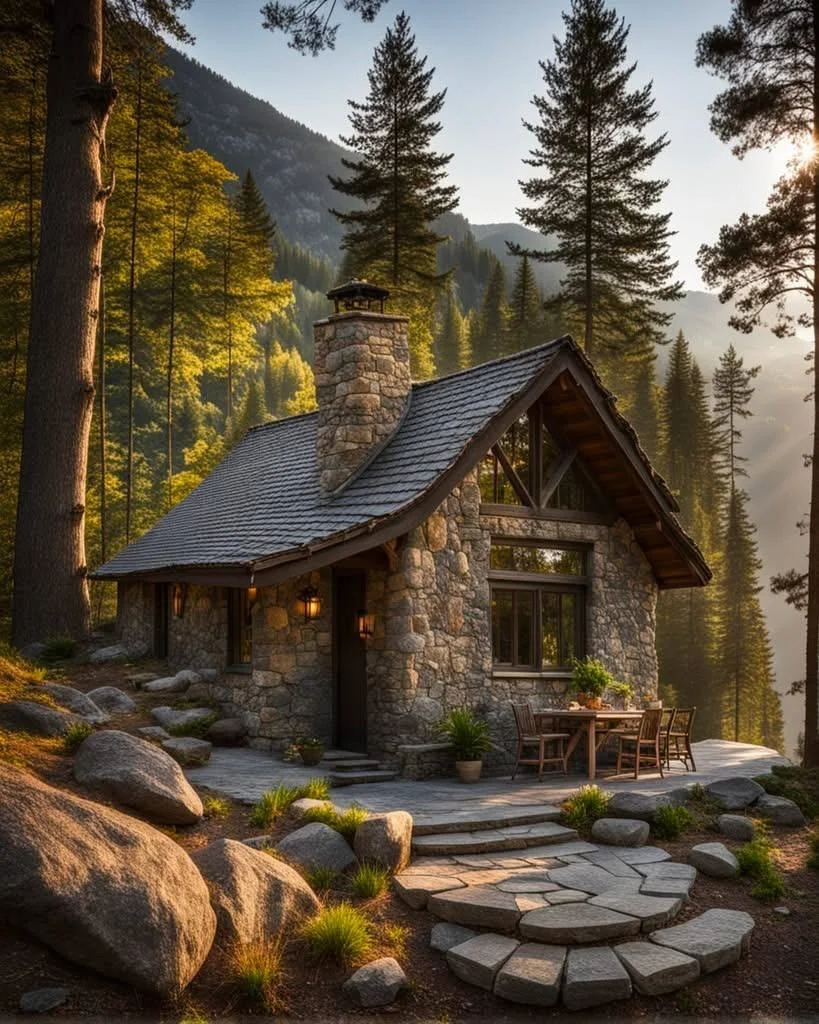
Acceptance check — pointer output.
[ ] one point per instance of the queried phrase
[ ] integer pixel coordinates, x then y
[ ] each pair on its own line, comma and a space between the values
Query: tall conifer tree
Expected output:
489, 337
399, 186
526, 322
594, 196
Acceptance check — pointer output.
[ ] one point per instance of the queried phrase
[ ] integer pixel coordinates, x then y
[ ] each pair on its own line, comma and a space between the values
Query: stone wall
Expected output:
362, 382
135, 616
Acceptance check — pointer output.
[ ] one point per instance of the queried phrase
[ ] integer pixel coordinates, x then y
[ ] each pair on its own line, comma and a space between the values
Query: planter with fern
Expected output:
469, 737
590, 680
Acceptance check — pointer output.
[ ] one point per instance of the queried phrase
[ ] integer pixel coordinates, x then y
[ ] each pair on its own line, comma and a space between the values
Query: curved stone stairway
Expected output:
560, 918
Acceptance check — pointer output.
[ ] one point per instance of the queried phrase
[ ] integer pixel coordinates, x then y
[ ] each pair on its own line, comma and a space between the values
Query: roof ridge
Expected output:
562, 339
276, 422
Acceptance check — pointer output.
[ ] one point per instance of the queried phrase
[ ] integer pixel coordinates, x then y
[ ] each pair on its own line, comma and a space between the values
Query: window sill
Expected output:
498, 673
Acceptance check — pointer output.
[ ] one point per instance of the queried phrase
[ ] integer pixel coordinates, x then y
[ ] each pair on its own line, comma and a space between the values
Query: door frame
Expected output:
338, 574
162, 617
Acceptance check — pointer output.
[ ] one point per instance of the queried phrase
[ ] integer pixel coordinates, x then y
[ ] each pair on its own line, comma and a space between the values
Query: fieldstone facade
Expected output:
362, 386
431, 650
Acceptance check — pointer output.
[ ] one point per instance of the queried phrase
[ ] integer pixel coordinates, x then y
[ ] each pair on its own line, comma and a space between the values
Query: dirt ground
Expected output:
778, 979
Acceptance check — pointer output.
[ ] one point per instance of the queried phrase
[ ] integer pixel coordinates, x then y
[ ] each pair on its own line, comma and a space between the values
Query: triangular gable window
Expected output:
529, 467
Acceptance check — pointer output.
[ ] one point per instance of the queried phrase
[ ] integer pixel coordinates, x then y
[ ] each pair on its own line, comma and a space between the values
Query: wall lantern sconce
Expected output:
252, 596
178, 596
365, 623
310, 603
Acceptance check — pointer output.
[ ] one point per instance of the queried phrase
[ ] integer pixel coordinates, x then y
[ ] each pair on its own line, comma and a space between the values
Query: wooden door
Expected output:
161, 620
350, 596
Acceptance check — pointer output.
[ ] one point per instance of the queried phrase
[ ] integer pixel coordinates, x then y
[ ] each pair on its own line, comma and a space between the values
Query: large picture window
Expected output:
240, 629
538, 606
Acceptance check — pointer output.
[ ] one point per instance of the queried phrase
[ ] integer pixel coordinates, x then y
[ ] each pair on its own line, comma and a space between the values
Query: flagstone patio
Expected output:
245, 774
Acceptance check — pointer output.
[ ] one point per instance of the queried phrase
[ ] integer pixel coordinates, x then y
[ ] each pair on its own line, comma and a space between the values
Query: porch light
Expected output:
365, 623
252, 596
310, 603
178, 599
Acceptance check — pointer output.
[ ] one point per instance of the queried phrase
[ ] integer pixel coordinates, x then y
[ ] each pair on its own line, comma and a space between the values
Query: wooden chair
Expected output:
666, 726
679, 736
530, 736
645, 742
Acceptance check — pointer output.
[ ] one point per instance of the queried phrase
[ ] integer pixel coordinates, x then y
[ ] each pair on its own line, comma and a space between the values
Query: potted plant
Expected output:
651, 701
311, 749
469, 737
590, 680
622, 693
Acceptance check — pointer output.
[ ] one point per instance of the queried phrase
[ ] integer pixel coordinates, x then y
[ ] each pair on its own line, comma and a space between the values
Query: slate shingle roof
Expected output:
263, 499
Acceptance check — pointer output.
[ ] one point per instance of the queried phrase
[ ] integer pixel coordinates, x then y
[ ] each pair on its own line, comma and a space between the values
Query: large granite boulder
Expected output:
385, 839
113, 700
36, 719
76, 701
734, 793
779, 810
317, 846
136, 773
256, 897
736, 826
116, 652
105, 891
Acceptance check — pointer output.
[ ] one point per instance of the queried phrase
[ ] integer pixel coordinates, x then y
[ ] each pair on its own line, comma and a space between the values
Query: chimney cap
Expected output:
356, 294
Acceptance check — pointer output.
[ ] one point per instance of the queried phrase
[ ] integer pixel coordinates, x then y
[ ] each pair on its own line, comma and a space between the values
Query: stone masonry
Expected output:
362, 386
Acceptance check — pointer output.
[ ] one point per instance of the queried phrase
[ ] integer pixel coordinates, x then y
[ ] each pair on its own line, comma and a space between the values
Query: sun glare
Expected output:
796, 153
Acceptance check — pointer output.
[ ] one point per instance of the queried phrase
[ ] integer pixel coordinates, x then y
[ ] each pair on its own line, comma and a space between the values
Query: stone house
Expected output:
355, 572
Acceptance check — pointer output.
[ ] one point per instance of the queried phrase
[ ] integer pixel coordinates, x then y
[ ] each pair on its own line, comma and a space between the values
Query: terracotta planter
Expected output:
653, 704
587, 701
311, 755
468, 771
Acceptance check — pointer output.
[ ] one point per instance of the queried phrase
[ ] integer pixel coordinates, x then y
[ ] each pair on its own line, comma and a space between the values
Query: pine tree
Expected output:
644, 414
596, 197
733, 392
489, 337
398, 184
450, 339
767, 56
526, 323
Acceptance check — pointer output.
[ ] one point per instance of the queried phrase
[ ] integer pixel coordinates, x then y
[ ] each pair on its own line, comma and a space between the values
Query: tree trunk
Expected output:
102, 414
589, 291
50, 583
129, 471
171, 343
811, 751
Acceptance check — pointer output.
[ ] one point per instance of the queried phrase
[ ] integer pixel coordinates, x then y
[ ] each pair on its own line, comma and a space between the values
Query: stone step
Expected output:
473, 820
510, 837
350, 764
716, 938
594, 976
341, 755
476, 906
576, 923
358, 777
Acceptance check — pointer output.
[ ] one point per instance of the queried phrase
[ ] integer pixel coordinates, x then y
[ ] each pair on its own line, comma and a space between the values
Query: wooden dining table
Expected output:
584, 722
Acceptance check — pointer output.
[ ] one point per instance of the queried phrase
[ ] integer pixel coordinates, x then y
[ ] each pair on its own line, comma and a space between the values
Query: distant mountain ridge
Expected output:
291, 163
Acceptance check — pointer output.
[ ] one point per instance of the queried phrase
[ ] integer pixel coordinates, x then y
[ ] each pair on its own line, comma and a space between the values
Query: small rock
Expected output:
209, 675
620, 831
188, 750
154, 733
138, 679
35, 719
259, 842
642, 806
117, 652
376, 983
227, 732
736, 826
714, 859
172, 718
188, 677
201, 692
782, 911
305, 803
385, 839
41, 1000
780, 811
445, 935
33, 651
168, 684
735, 793
113, 700
75, 701
317, 846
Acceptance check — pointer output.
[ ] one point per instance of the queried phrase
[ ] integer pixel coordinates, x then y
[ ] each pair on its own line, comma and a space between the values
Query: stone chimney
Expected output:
362, 380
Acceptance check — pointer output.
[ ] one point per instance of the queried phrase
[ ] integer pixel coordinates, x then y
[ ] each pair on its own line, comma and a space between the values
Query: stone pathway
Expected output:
565, 919
245, 774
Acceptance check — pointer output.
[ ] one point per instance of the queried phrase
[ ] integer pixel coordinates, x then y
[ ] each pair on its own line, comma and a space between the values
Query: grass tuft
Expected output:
582, 809
276, 801
341, 933
216, 807
813, 856
702, 799
314, 789
670, 822
392, 940
59, 648
257, 973
74, 736
345, 822
370, 881
193, 1015
320, 879
756, 861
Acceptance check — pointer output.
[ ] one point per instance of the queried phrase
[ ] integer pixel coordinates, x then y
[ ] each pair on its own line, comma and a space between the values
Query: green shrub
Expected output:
197, 728
583, 808
813, 856
193, 1015
468, 734
272, 805
591, 677
341, 933
370, 881
669, 821
320, 878
59, 648
216, 807
756, 861
257, 973
702, 799
74, 736
314, 789
794, 783
345, 822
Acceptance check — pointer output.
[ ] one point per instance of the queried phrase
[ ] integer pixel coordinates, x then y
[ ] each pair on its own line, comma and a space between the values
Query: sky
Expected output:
486, 55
